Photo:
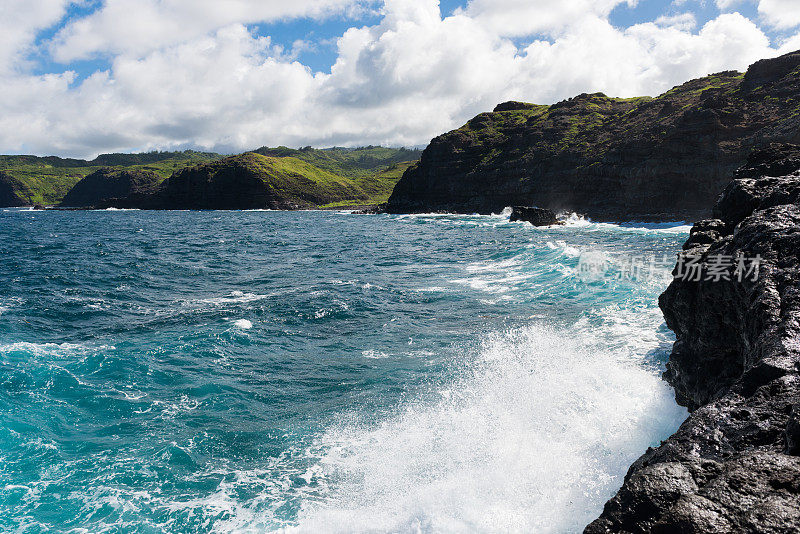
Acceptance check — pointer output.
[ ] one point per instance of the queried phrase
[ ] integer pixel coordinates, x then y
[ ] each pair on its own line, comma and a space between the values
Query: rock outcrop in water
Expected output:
734, 465
533, 215
664, 158
105, 185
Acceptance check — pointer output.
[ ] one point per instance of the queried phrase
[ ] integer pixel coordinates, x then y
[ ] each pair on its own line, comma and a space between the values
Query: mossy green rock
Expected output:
661, 158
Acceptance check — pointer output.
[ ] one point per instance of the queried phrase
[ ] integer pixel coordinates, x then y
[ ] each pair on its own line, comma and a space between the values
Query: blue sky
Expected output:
87, 76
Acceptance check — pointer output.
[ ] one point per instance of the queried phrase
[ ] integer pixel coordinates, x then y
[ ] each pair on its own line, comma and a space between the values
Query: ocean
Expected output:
324, 371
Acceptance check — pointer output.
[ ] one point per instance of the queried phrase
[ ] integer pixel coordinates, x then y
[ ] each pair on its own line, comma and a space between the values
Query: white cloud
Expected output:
19, 22
781, 14
525, 17
684, 21
401, 82
727, 4
137, 27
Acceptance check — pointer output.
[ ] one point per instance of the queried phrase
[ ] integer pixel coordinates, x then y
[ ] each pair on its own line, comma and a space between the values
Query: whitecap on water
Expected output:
374, 354
244, 324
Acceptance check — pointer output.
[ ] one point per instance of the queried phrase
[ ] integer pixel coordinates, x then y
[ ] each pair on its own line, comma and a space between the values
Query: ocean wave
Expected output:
534, 437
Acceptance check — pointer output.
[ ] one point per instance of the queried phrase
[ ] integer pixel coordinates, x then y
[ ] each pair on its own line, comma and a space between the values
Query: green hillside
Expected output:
31, 180
377, 188
253, 180
334, 177
345, 176
351, 162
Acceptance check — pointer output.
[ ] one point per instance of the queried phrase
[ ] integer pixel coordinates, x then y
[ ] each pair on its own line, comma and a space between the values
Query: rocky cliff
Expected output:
105, 185
734, 465
8, 196
614, 159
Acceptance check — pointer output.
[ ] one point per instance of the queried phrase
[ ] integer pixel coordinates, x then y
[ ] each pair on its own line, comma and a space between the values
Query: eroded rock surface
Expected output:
733, 466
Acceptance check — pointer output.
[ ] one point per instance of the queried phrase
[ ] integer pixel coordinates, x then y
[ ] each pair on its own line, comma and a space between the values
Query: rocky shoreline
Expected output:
734, 465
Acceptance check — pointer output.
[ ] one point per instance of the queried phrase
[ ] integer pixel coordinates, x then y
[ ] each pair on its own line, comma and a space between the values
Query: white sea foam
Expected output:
235, 297
564, 248
53, 349
534, 437
374, 354
244, 324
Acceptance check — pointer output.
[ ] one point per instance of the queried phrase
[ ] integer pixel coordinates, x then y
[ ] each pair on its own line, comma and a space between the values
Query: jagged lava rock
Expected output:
733, 466
535, 216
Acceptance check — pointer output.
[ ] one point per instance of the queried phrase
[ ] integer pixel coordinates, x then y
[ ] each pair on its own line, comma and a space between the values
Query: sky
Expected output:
83, 77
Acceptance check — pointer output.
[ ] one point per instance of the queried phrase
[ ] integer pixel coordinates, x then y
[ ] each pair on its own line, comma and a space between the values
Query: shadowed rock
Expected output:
7, 196
533, 215
103, 186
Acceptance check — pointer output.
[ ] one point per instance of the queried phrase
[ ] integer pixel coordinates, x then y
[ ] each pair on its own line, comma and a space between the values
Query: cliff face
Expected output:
107, 184
734, 465
8, 197
642, 158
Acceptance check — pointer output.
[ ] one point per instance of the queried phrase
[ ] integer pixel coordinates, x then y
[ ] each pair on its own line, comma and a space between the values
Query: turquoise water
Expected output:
321, 372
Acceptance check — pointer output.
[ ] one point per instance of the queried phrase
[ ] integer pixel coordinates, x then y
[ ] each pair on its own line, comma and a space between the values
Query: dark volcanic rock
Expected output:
103, 186
664, 158
7, 196
533, 215
734, 465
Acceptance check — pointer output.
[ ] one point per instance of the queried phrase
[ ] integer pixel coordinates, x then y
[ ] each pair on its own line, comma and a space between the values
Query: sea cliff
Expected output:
734, 465
662, 158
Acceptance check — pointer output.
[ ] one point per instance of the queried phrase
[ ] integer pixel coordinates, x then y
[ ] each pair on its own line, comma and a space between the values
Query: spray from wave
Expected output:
534, 436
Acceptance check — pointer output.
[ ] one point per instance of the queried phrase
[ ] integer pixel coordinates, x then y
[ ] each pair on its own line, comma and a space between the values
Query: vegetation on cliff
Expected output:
28, 180
307, 177
284, 180
613, 158
351, 162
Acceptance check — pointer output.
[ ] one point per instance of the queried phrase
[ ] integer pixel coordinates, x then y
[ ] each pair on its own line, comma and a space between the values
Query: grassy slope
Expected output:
38, 180
299, 181
349, 162
587, 130
333, 177
377, 188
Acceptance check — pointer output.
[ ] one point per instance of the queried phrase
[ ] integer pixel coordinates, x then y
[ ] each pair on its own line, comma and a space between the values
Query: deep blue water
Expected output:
321, 372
